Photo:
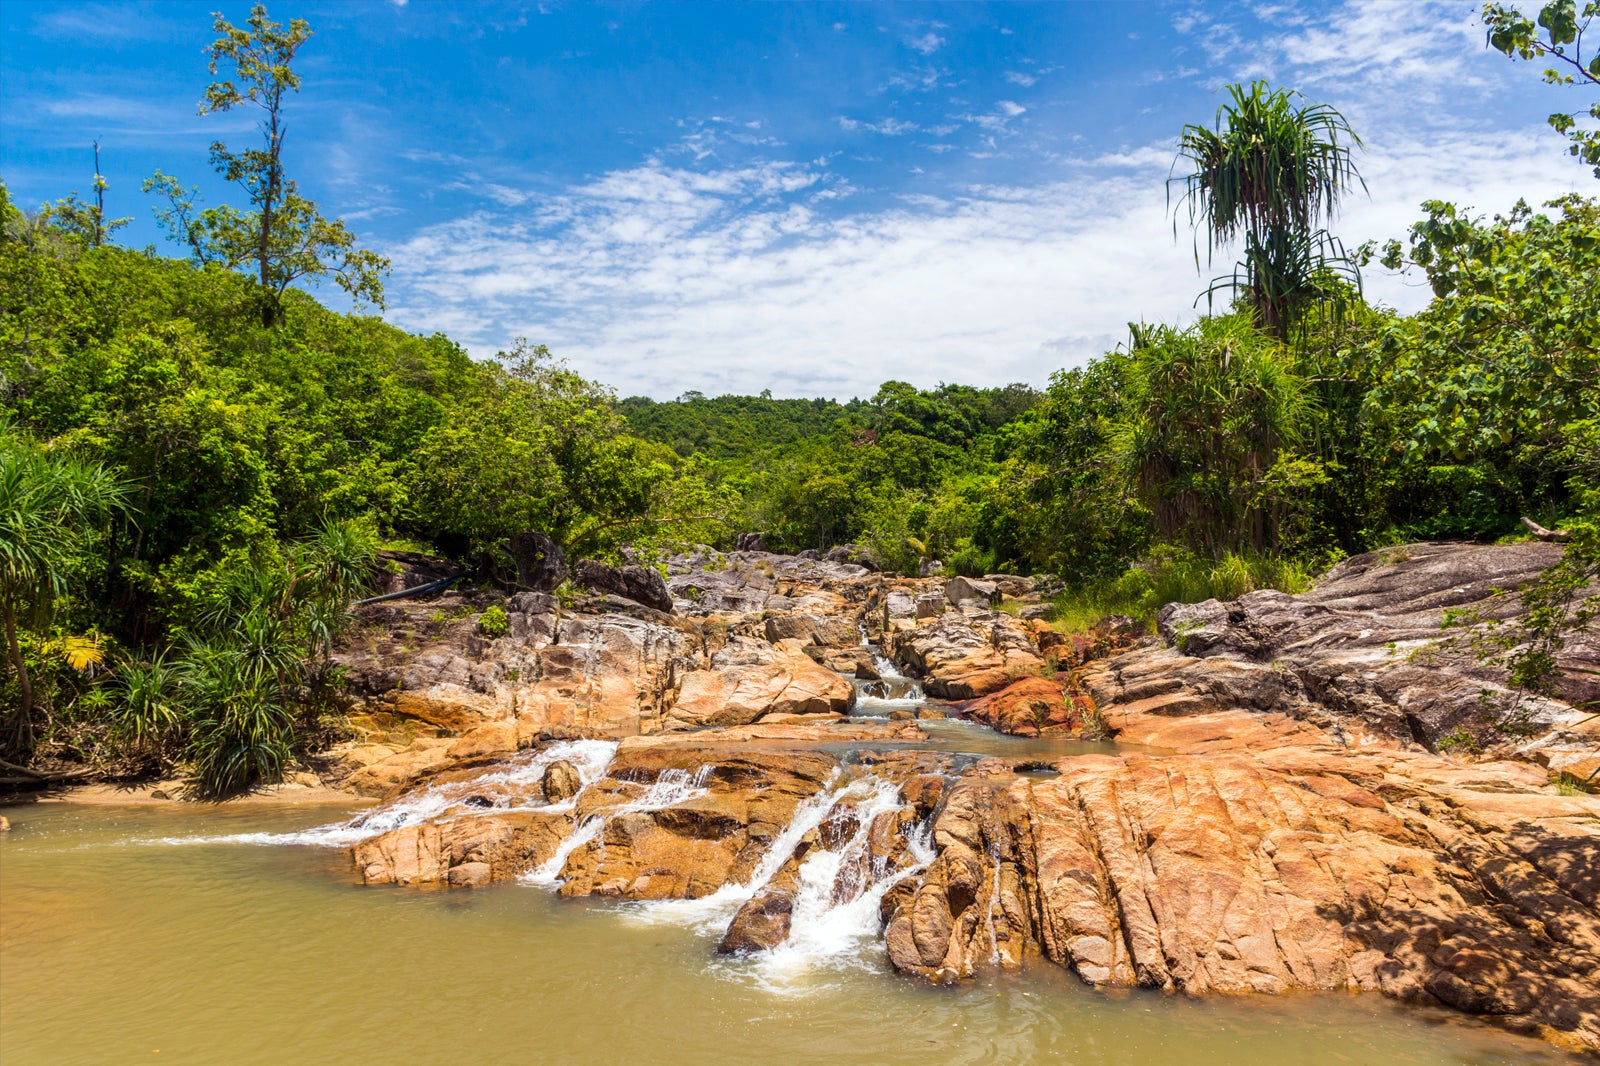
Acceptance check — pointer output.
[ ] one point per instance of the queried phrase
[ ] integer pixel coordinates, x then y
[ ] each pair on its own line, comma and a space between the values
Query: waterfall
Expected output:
514, 787
836, 903
670, 788
892, 691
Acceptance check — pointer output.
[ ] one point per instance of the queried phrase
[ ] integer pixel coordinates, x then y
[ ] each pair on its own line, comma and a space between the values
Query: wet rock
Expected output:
561, 781
492, 847
867, 669
761, 924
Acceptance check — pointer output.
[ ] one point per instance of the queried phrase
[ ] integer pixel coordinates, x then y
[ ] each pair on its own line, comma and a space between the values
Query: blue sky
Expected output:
808, 198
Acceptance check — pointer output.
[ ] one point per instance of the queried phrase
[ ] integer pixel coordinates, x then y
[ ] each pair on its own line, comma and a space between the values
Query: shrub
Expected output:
493, 622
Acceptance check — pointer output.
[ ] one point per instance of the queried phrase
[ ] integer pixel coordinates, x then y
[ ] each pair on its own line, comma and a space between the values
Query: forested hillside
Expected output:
199, 462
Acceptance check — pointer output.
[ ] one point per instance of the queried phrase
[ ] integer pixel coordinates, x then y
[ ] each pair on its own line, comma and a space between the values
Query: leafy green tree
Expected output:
53, 505
1483, 392
1513, 33
284, 237
1271, 172
1208, 438
87, 222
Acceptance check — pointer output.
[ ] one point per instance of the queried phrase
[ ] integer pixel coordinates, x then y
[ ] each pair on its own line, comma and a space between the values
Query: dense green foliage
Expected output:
255, 468
193, 488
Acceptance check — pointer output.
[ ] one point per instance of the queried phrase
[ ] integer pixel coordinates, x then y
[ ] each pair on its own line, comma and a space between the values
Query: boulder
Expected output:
641, 584
755, 681
1023, 708
959, 590
751, 542
962, 656
561, 781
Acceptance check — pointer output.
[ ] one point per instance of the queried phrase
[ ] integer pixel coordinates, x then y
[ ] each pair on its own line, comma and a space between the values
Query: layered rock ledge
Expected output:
1276, 814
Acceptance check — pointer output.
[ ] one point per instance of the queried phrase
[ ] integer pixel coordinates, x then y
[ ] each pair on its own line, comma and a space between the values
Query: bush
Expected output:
493, 622
1176, 576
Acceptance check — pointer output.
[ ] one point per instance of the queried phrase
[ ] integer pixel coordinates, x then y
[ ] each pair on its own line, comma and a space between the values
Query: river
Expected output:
122, 939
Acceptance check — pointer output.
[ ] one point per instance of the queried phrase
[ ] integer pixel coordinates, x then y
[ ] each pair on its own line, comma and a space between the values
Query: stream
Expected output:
240, 934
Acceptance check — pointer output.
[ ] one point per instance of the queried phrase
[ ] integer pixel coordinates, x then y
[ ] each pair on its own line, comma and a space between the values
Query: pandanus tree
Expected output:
1271, 173
52, 505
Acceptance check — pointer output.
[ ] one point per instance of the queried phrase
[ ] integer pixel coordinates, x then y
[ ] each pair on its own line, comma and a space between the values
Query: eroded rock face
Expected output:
1273, 822
1361, 652
961, 655
1025, 708
1304, 866
753, 680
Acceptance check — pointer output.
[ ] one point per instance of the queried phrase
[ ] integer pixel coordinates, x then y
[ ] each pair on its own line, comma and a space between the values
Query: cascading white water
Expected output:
835, 910
836, 903
893, 691
669, 789
504, 790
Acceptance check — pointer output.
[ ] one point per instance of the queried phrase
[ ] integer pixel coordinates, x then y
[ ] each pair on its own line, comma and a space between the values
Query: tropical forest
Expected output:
1228, 690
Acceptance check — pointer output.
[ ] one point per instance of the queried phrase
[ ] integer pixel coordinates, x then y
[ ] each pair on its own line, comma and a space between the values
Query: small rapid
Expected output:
514, 787
890, 691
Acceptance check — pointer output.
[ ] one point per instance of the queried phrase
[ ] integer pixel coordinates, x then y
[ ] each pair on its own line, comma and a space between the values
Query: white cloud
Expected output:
657, 279
1016, 77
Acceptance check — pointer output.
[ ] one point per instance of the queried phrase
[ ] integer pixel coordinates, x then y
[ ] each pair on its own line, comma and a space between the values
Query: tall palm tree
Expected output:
1271, 172
51, 503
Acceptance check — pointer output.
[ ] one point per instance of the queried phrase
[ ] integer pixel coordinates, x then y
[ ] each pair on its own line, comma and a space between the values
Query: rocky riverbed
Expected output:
1275, 813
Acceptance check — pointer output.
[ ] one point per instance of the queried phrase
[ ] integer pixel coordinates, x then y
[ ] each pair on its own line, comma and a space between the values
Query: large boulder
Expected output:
752, 680
641, 584
961, 656
1023, 708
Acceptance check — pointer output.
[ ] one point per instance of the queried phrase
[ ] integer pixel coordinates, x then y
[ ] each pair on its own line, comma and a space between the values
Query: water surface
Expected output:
118, 944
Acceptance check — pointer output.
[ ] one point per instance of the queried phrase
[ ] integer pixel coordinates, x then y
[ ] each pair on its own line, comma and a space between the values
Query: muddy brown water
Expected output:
120, 942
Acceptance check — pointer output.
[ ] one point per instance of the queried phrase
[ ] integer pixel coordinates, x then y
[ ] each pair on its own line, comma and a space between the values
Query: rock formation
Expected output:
1277, 814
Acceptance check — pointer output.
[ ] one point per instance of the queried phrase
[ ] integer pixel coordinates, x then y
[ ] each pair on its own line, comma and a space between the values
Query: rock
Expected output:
773, 679
761, 923
961, 657
867, 669
1036, 611
959, 590
751, 542
931, 604
5, 825
853, 554
1364, 650
813, 629
158, 794
541, 564
641, 584
1013, 585
930, 568
487, 847
561, 781
1022, 708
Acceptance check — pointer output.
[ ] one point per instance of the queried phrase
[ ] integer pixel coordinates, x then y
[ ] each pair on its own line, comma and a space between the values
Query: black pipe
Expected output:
432, 586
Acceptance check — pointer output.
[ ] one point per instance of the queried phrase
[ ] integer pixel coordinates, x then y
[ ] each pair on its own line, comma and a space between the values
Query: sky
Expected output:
807, 198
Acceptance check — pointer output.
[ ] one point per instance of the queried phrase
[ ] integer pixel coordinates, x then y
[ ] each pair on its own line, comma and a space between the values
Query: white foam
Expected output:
670, 788
506, 790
